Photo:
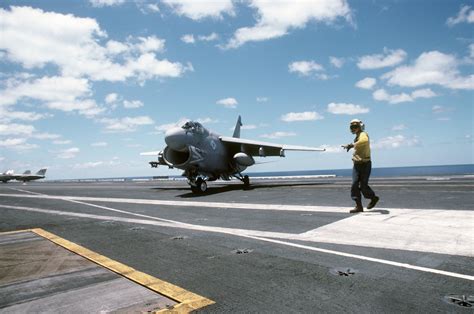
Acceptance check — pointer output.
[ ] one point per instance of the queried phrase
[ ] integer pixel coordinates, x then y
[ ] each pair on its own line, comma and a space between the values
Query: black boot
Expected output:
373, 202
358, 208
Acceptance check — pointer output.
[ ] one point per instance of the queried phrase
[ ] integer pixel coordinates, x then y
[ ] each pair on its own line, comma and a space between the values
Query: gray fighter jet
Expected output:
207, 156
27, 176
7, 176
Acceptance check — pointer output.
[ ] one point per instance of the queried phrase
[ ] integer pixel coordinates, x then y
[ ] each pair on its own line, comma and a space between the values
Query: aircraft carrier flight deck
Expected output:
281, 245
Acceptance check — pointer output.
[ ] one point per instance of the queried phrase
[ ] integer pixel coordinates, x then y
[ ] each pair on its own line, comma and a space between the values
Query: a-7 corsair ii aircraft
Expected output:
26, 176
206, 156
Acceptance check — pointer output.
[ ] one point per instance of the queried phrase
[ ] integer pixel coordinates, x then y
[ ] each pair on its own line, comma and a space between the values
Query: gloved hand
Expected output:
348, 146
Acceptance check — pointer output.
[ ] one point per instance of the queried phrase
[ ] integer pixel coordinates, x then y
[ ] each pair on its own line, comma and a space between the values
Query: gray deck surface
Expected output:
293, 251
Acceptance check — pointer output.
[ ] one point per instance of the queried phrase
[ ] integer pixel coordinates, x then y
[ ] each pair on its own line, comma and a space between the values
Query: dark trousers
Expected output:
360, 181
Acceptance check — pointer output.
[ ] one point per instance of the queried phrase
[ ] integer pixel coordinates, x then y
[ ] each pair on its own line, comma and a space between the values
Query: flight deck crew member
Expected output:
362, 167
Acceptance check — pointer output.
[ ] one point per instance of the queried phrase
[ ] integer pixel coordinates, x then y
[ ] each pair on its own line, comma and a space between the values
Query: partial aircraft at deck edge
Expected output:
206, 156
26, 176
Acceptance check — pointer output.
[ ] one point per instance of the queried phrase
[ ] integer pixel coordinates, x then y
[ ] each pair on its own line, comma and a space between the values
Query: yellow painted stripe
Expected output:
187, 301
15, 231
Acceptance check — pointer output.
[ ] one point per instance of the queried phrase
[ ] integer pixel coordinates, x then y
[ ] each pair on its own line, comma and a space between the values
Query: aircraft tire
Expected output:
201, 186
246, 181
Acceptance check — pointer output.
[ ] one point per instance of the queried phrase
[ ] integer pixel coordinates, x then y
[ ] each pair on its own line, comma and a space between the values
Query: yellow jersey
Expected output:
361, 148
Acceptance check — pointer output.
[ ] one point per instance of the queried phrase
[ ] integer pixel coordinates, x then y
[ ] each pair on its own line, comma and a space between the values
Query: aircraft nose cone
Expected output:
176, 139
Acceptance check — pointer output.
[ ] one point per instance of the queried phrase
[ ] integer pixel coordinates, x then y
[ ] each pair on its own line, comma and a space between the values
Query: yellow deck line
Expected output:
187, 301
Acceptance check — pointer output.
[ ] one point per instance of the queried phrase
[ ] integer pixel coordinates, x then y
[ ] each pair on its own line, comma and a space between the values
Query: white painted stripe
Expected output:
435, 231
262, 236
370, 259
304, 208
253, 206
30, 192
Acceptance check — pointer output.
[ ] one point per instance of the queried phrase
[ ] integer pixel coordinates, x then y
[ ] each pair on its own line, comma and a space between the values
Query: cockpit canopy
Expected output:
194, 127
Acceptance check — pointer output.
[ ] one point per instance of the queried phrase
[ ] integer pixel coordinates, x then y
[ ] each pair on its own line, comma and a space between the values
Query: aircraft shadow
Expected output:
211, 190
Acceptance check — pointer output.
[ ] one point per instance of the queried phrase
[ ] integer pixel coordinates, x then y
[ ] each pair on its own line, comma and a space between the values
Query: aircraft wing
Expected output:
257, 148
150, 153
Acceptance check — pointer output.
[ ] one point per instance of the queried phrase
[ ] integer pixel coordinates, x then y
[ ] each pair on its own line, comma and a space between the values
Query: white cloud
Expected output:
387, 59
337, 62
68, 153
88, 165
366, 83
47, 89
207, 120
153, 7
278, 18
431, 68
396, 141
423, 93
465, 15
61, 142
17, 144
86, 107
382, 95
399, 127
17, 129
164, 127
105, 3
94, 164
25, 131
305, 68
188, 39
301, 116
126, 124
228, 102
262, 99
278, 135
344, 108
73, 44
111, 98
99, 144
132, 104
151, 44
471, 51
211, 37
7, 115
440, 109
198, 10
46, 136
248, 127
59, 93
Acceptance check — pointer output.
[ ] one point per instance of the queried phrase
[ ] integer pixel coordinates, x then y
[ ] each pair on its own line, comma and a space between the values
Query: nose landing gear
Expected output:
198, 185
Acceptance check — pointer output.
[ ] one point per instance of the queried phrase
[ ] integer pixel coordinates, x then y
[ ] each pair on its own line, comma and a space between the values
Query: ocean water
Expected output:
380, 172
447, 170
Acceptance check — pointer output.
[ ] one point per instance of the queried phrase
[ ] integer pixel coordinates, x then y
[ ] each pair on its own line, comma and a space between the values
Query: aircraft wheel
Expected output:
246, 181
201, 186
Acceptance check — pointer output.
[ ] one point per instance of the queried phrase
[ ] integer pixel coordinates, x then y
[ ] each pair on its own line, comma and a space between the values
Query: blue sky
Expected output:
86, 86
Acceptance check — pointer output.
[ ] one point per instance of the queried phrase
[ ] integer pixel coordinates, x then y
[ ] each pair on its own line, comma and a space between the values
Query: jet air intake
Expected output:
183, 158
242, 161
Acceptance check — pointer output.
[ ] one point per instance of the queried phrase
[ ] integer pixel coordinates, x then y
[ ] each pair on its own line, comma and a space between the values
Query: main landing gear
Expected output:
245, 179
198, 185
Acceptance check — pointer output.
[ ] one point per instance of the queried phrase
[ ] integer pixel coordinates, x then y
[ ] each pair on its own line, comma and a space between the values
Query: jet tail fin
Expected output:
27, 172
237, 128
42, 172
